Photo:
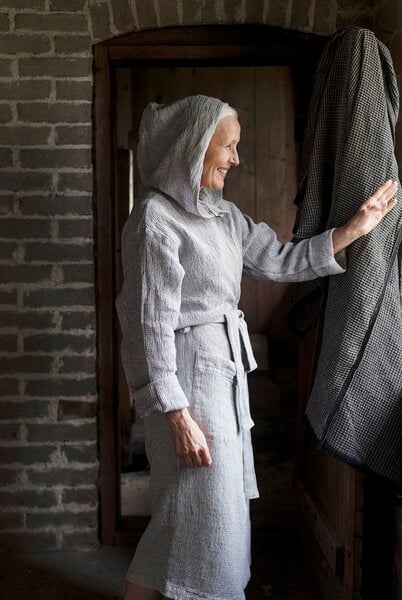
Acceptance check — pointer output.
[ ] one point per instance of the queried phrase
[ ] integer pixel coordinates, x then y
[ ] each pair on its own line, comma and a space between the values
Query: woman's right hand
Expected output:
189, 441
370, 213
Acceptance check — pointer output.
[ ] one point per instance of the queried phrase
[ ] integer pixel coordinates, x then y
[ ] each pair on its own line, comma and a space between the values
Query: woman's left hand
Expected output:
370, 213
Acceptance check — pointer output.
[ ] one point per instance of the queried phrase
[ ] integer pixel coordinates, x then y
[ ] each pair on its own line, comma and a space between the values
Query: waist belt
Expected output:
243, 357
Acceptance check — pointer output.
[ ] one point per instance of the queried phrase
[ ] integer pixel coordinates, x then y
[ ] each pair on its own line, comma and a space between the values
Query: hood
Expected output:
173, 139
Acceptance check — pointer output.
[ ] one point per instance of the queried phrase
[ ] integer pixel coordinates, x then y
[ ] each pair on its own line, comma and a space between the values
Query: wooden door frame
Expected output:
247, 45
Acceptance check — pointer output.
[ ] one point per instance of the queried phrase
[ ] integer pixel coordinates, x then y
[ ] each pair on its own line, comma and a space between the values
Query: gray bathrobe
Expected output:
185, 344
355, 407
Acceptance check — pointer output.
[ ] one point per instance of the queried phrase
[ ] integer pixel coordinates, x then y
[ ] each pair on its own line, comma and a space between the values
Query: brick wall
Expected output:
48, 427
48, 453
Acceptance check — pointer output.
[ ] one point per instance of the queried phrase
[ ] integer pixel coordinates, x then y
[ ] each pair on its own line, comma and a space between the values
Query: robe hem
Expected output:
175, 591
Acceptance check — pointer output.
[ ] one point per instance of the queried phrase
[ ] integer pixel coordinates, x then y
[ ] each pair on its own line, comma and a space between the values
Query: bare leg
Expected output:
135, 592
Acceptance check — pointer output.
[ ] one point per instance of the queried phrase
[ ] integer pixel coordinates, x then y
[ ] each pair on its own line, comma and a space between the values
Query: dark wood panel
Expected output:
104, 251
124, 94
323, 532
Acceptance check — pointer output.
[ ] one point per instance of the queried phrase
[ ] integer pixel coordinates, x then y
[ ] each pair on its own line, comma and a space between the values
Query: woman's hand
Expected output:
367, 217
189, 441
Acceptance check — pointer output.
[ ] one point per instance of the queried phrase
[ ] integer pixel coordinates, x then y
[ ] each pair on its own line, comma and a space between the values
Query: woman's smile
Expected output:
221, 153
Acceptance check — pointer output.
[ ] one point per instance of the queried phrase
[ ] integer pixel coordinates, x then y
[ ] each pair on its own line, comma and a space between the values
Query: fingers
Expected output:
205, 457
391, 205
190, 444
186, 457
200, 458
389, 195
388, 201
195, 460
386, 189
381, 196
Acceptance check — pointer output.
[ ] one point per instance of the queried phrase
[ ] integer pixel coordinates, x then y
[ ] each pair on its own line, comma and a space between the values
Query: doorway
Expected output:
245, 65
266, 74
263, 187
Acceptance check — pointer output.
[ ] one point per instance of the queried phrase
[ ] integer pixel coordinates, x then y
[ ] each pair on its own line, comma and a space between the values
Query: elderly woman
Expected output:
185, 346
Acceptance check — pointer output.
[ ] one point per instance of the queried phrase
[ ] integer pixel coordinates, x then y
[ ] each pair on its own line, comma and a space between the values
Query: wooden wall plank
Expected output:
275, 184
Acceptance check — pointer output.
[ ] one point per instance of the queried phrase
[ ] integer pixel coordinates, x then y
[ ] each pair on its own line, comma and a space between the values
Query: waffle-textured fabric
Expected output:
185, 344
348, 151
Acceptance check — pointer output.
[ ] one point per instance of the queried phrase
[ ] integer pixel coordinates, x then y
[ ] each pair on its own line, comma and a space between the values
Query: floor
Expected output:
277, 573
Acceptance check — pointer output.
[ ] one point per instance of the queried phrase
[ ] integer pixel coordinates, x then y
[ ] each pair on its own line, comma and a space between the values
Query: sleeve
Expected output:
265, 257
148, 307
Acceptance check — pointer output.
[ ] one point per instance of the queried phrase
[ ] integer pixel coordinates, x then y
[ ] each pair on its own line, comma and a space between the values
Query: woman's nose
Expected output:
234, 159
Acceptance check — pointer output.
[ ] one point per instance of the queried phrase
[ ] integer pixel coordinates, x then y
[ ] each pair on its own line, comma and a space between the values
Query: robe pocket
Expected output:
213, 392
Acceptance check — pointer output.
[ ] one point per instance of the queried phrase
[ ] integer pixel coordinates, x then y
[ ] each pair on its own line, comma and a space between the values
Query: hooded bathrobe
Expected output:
185, 344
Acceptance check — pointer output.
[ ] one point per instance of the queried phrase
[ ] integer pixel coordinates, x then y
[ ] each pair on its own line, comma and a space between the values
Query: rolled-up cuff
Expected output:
322, 258
159, 396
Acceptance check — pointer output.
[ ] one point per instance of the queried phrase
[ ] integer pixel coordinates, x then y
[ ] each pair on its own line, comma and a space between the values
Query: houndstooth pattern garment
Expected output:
348, 151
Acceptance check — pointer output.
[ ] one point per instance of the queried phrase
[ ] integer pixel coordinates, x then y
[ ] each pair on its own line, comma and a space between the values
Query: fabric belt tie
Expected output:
244, 360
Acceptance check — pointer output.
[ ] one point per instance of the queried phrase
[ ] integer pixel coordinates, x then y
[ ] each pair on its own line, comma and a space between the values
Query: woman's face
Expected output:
221, 153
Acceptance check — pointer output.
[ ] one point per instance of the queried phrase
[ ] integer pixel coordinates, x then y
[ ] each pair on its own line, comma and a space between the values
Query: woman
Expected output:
185, 347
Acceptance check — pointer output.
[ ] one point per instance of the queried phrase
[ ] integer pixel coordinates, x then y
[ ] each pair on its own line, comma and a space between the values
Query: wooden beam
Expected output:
267, 54
236, 35
104, 259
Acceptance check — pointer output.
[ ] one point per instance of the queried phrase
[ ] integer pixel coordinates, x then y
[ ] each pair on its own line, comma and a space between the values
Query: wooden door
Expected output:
330, 499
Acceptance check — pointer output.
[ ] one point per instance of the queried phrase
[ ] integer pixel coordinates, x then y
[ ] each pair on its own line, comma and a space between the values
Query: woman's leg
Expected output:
135, 592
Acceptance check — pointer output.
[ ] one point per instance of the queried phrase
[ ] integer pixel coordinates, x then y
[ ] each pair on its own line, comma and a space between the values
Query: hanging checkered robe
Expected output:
348, 151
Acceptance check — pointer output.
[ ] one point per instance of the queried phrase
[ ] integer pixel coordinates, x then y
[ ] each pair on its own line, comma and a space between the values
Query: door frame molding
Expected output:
216, 45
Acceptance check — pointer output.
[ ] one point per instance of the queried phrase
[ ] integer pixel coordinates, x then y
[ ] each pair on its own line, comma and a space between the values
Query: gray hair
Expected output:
227, 111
